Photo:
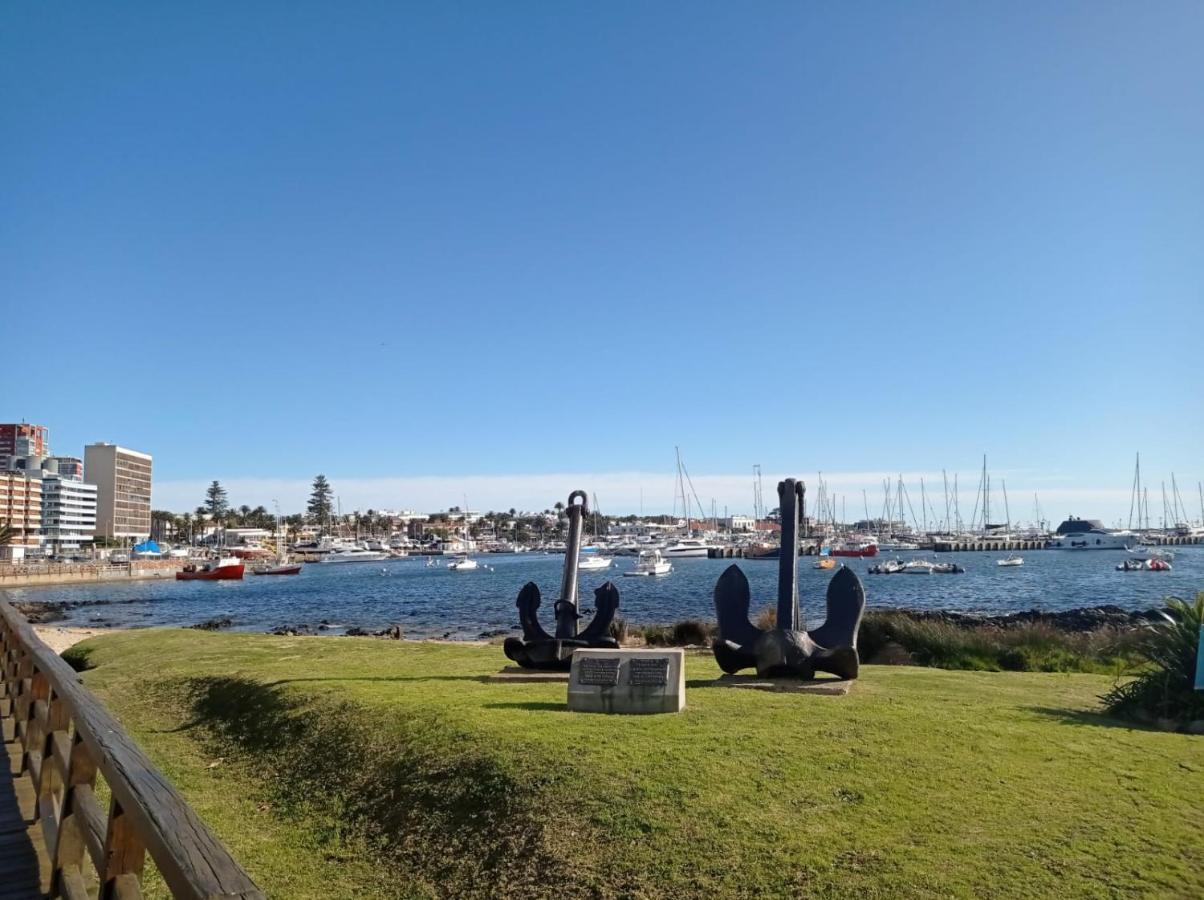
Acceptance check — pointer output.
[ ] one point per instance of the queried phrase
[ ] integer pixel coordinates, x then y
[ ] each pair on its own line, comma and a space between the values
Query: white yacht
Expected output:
650, 563
462, 564
687, 547
1010, 561
917, 567
1090, 534
354, 553
593, 562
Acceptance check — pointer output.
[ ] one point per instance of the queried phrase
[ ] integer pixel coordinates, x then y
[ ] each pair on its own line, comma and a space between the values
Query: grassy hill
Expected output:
357, 768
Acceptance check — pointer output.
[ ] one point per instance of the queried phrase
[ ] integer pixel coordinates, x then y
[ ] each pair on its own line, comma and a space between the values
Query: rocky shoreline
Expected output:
1079, 620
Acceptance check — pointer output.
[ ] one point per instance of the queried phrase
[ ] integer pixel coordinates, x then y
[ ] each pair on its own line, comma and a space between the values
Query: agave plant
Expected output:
1165, 688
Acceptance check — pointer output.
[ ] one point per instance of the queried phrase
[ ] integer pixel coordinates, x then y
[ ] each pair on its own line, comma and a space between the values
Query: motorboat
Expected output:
825, 562
463, 564
685, 548
1143, 565
856, 549
888, 567
897, 545
281, 568
947, 569
1090, 534
353, 553
1010, 561
762, 551
650, 563
225, 568
593, 562
917, 567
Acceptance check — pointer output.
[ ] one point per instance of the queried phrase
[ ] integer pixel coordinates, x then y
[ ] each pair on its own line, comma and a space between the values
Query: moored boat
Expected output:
687, 547
226, 568
650, 563
856, 549
1090, 534
593, 562
278, 569
917, 567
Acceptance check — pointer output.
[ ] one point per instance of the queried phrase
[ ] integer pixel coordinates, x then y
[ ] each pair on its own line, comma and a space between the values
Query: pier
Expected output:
972, 546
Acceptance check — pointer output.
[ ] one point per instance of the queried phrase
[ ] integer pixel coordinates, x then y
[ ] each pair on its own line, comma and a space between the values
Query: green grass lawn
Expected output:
338, 767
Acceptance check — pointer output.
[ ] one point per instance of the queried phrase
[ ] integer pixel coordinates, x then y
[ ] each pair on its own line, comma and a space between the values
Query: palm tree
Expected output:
7, 534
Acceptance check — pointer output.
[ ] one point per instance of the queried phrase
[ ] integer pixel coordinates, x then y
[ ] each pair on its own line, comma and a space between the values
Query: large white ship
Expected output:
1090, 534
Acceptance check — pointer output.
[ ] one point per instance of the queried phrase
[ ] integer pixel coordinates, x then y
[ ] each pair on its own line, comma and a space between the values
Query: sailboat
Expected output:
281, 566
1011, 560
594, 561
464, 562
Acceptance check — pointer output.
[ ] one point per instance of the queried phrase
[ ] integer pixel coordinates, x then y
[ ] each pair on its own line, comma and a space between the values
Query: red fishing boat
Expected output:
228, 568
855, 548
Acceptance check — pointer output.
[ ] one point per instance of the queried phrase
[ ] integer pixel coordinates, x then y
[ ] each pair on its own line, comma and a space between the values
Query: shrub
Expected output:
1165, 689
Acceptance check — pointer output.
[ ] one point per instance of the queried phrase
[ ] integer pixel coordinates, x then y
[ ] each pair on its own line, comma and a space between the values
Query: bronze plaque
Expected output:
592, 670
647, 672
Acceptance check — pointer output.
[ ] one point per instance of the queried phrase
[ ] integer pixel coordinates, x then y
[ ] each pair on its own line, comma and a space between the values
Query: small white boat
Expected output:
463, 564
592, 562
650, 563
917, 567
1010, 561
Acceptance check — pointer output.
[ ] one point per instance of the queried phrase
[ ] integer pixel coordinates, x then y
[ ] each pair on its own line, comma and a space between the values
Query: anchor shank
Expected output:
566, 609
790, 497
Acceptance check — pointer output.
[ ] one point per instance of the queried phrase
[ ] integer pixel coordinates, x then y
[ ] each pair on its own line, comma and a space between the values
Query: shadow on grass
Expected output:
431, 805
1087, 717
530, 704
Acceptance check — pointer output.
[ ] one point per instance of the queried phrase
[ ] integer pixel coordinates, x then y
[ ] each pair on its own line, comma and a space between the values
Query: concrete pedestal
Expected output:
628, 681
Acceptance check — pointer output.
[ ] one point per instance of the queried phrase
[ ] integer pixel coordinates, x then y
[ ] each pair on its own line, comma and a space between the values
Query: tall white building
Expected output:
123, 490
68, 504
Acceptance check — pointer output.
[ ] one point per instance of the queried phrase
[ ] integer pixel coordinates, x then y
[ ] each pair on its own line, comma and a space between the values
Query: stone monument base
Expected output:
519, 675
835, 687
628, 682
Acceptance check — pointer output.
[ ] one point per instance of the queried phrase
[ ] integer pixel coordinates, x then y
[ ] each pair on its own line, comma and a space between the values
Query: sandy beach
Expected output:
60, 637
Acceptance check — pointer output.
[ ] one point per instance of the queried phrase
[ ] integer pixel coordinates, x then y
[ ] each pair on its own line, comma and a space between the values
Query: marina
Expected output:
435, 602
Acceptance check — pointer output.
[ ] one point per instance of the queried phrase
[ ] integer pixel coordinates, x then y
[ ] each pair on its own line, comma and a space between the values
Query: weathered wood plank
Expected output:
193, 863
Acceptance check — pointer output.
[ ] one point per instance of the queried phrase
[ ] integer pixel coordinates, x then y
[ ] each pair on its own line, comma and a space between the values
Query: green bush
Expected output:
1165, 689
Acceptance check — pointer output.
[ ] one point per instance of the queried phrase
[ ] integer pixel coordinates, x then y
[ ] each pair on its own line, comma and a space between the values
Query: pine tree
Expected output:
319, 500
215, 502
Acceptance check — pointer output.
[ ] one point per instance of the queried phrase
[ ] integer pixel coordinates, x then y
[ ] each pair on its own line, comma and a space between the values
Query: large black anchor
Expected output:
539, 650
789, 650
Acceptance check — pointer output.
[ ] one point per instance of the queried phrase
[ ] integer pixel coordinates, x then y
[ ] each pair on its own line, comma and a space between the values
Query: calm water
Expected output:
439, 602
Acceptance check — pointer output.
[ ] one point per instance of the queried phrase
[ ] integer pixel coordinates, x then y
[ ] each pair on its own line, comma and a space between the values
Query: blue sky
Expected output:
405, 244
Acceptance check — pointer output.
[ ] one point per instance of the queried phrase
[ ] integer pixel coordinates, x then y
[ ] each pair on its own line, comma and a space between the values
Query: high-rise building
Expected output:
68, 504
21, 510
23, 441
123, 490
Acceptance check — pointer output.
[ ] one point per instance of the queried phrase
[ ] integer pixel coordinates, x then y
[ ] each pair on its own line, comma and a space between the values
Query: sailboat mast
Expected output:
1007, 510
923, 506
945, 479
1135, 495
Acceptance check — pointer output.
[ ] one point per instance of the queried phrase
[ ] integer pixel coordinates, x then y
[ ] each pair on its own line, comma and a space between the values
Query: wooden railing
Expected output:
67, 739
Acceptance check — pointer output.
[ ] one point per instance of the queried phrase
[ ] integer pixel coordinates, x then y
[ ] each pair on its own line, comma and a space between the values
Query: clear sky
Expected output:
415, 243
